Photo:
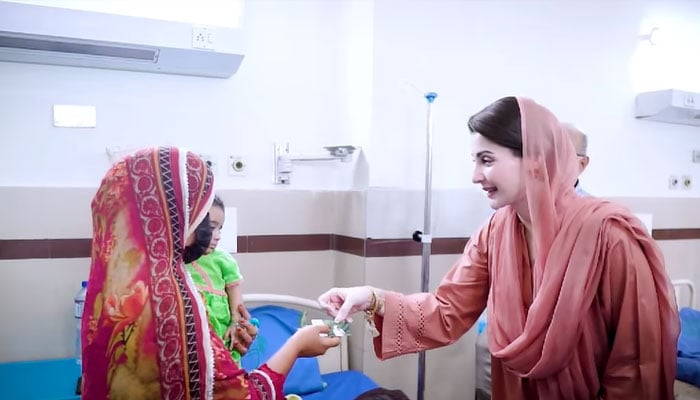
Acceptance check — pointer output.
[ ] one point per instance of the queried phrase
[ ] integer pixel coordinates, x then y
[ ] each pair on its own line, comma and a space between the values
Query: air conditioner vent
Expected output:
671, 106
66, 46
46, 35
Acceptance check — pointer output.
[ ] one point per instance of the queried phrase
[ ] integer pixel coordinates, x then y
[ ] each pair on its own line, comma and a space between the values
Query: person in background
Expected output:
218, 278
145, 332
579, 302
580, 141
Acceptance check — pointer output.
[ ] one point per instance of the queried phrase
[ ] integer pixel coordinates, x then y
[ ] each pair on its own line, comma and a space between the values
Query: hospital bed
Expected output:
324, 377
689, 342
684, 290
327, 377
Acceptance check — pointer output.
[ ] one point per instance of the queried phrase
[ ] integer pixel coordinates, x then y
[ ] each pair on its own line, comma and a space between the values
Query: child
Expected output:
218, 279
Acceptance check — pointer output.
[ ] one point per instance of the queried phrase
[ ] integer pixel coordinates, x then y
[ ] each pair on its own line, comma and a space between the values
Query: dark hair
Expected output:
499, 122
202, 235
382, 394
218, 203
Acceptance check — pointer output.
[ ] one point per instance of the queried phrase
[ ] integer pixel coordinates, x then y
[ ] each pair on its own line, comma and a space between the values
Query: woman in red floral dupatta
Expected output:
579, 303
145, 330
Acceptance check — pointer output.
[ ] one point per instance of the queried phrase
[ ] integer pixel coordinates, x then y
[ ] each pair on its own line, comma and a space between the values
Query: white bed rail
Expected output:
678, 285
335, 359
281, 299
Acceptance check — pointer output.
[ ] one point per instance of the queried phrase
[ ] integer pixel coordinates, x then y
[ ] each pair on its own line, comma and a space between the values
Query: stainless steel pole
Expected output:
426, 237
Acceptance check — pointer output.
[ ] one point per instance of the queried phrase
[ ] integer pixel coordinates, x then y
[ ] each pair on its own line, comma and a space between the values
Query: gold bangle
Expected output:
372, 308
380, 302
370, 312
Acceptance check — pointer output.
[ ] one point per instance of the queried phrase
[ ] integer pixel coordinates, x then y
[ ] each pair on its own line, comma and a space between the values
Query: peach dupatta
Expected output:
552, 341
591, 316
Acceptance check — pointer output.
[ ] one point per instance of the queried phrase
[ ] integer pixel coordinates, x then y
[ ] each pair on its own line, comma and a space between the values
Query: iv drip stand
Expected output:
426, 237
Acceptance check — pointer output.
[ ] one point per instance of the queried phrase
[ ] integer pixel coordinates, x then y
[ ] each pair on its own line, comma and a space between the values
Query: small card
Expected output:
337, 328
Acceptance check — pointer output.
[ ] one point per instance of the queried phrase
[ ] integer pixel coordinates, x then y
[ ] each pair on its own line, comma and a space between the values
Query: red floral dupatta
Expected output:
145, 330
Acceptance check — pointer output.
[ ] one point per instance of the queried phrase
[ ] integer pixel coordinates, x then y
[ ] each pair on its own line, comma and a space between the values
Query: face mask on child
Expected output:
202, 239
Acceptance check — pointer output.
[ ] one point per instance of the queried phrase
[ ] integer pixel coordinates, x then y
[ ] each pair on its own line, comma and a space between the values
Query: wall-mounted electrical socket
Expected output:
203, 37
689, 100
237, 166
673, 182
211, 162
687, 182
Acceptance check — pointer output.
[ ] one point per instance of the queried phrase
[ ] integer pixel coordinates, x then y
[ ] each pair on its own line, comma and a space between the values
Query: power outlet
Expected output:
689, 100
673, 182
687, 182
211, 162
203, 37
237, 166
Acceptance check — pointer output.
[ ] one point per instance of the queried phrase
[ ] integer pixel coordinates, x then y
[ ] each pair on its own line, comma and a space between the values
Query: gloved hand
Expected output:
340, 303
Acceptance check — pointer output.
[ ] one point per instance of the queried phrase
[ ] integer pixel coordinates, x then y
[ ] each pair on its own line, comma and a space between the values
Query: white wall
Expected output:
353, 72
228, 12
576, 57
292, 86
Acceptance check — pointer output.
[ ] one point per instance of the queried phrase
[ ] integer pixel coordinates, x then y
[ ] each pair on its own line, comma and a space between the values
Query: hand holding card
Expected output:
337, 328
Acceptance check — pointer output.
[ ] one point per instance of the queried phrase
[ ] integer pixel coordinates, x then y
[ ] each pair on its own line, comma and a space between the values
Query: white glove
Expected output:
340, 303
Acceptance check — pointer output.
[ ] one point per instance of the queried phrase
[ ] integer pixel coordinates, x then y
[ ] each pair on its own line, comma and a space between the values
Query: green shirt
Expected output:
212, 274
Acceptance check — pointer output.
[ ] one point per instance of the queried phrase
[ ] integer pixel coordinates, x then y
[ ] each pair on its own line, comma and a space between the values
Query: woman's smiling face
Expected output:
499, 172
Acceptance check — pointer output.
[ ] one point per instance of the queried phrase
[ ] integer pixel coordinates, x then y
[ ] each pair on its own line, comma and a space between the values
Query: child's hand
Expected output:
230, 335
310, 343
244, 333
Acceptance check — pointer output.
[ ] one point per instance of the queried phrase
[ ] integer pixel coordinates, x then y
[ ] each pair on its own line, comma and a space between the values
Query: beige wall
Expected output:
682, 257
36, 295
450, 370
36, 307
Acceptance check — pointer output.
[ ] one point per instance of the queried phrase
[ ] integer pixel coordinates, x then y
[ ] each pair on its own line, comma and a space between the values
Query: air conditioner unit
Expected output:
671, 105
58, 36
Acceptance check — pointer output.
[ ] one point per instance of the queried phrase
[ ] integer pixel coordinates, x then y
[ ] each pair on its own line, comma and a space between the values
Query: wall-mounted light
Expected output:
665, 55
656, 36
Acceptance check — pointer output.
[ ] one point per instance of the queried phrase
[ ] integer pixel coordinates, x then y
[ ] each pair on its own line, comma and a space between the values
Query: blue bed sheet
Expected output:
689, 347
277, 324
39, 380
56, 380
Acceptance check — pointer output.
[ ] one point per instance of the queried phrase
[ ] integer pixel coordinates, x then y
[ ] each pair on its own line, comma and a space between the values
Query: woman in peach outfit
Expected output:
579, 302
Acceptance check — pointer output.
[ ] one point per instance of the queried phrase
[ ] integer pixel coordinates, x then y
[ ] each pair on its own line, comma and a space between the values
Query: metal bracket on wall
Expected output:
283, 161
282, 164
